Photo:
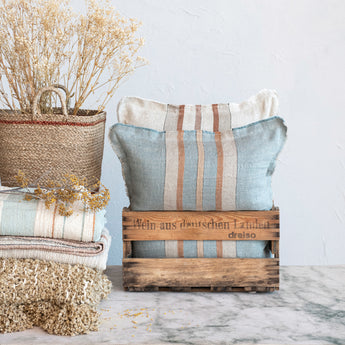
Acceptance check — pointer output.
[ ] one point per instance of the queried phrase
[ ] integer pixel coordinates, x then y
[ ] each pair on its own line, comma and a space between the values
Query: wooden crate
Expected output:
200, 274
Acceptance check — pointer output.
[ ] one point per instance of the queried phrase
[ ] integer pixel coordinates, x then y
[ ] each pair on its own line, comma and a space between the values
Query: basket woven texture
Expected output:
48, 146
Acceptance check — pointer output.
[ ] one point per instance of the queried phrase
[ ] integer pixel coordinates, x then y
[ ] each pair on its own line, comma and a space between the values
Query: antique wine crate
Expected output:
194, 274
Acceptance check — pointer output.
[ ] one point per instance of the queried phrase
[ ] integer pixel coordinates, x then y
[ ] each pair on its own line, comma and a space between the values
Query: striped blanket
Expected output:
90, 254
199, 170
31, 218
213, 117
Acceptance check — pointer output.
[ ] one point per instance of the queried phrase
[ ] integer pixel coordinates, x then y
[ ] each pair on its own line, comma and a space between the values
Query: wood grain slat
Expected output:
186, 225
200, 272
275, 248
193, 216
200, 235
207, 289
127, 249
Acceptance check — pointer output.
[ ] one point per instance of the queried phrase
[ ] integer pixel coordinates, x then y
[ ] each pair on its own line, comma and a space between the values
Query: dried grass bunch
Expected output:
65, 194
43, 42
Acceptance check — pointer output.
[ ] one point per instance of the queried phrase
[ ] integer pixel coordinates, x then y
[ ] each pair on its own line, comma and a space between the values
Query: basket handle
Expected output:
68, 95
36, 112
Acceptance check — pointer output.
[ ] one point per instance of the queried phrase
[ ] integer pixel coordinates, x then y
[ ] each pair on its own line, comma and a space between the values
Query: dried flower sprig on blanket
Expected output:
64, 194
43, 42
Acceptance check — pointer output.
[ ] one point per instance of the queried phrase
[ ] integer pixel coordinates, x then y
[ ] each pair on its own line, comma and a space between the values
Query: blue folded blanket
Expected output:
19, 217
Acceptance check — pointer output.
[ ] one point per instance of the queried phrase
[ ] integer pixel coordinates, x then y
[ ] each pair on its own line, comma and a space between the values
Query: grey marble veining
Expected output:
308, 309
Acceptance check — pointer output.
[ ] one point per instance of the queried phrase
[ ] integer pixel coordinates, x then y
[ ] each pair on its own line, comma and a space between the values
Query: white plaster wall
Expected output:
203, 51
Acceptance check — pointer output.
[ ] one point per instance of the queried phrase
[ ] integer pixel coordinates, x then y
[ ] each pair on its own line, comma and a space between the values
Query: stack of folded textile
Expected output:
216, 157
50, 266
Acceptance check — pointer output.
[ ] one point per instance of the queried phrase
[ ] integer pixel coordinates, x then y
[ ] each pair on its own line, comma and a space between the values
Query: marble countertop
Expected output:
308, 309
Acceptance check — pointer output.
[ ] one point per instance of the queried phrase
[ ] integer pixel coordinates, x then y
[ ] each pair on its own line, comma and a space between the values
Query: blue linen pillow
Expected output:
199, 170
229, 249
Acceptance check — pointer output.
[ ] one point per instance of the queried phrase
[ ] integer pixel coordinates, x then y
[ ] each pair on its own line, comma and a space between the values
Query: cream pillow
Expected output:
213, 117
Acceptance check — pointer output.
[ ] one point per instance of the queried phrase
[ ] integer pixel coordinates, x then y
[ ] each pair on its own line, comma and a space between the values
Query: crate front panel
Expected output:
151, 273
189, 274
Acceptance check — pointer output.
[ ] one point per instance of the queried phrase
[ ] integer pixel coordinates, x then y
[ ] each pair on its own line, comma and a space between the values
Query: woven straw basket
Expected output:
48, 146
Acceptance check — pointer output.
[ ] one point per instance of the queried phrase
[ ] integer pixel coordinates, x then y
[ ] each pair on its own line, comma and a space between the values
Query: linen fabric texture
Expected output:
19, 217
90, 254
201, 249
213, 117
199, 170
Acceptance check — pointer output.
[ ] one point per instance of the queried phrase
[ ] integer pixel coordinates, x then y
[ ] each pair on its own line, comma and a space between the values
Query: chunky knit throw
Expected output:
67, 319
60, 298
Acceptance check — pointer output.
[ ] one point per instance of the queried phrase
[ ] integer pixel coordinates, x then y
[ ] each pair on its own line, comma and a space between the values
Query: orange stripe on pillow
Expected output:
219, 249
180, 249
180, 117
215, 118
197, 117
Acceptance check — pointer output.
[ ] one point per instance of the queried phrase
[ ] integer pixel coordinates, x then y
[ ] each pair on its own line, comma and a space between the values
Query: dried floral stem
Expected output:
63, 194
43, 42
